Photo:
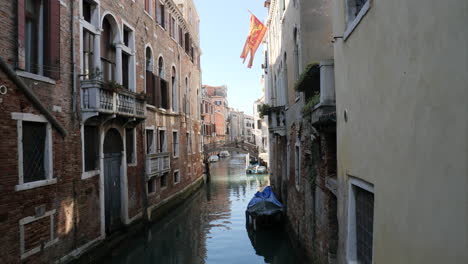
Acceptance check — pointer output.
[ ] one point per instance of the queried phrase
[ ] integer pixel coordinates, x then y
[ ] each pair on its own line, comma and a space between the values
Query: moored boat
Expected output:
264, 210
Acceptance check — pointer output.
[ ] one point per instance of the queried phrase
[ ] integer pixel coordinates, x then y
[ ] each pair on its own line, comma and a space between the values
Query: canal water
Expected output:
210, 227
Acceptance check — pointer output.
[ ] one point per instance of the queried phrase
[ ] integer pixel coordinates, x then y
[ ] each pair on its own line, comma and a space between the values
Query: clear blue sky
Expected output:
224, 26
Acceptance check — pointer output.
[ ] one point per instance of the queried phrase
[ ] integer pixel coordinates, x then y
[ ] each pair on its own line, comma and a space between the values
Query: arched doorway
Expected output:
113, 147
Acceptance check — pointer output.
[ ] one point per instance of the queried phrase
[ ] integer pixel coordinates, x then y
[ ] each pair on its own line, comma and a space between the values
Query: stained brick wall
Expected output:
76, 201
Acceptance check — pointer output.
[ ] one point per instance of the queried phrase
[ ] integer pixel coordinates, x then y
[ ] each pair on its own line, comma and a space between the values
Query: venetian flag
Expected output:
255, 37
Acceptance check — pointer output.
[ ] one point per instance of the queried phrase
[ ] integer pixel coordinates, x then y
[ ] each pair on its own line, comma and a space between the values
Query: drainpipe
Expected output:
72, 30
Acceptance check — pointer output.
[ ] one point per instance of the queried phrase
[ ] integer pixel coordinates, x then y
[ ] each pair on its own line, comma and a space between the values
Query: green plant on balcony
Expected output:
114, 86
308, 78
311, 102
263, 110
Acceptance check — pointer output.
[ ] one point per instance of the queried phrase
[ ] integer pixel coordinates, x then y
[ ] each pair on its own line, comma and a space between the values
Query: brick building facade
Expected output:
100, 119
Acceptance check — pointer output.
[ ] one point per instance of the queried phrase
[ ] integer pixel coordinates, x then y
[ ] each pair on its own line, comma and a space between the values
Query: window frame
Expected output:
297, 165
135, 160
48, 156
174, 148
351, 241
174, 179
351, 22
88, 174
153, 181
153, 145
163, 148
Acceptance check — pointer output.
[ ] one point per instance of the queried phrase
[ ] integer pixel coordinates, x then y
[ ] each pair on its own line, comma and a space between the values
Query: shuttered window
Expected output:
39, 37
130, 145
175, 143
91, 148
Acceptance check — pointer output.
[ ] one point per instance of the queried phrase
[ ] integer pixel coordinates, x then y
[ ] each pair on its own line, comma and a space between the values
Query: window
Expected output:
175, 96
125, 70
163, 180
259, 124
355, 11
181, 37
190, 17
91, 148
217, 102
172, 28
360, 221
162, 147
176, 177
152, 186
88, 54
130, 145
161, 15
150, 141
175, 144
188, 143
297, 165
39, 37
35, 160
148, 6
187, 43
87, 10
108, 51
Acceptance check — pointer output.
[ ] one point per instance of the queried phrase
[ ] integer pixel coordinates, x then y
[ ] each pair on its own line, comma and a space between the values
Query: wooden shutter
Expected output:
52, 62
21, 37
157, 91
149, 87
164, 94
147, 6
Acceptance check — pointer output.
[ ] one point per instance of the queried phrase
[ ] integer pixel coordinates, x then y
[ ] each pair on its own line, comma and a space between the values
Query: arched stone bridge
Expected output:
239, 146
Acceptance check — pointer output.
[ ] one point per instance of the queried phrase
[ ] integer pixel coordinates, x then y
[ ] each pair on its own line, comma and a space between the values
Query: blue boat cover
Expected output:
266, 196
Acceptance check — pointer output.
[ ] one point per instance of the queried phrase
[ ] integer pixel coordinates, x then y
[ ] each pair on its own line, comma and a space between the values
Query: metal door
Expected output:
112, 162
112, 189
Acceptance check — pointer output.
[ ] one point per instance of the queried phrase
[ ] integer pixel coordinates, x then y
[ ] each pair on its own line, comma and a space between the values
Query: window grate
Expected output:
34, 148
364, 225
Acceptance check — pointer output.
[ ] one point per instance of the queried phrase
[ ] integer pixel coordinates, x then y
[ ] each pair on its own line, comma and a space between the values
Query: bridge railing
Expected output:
234, 144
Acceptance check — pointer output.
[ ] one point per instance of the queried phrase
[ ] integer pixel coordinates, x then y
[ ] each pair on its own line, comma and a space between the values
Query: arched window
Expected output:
285, 79
186, 106
108, 51
149, 69
175, 96
296, 53
161, 71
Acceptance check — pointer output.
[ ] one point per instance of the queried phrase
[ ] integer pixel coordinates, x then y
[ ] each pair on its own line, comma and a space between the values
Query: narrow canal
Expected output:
210, 227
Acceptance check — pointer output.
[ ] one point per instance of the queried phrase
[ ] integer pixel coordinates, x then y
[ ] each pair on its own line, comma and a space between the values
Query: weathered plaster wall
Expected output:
402, 77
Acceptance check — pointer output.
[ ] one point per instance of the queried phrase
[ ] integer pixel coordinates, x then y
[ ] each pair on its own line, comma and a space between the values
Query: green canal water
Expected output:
210, 227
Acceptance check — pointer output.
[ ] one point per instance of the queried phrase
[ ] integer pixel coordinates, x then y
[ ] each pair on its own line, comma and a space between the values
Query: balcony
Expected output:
99, 98
318, 85
157, 164
277, 120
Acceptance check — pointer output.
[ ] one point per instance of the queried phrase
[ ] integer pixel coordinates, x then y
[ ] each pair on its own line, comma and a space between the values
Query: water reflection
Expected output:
210, 227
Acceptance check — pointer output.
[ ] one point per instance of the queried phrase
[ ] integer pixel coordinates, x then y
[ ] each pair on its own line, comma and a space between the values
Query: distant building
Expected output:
217, 96
261, 131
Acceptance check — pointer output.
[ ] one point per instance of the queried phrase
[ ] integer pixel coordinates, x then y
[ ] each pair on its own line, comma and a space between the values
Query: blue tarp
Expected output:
266, 196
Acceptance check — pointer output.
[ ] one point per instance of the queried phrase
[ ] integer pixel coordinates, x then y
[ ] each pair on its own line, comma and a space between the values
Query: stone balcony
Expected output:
277, 120
157, 164
325, 110
98, 98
